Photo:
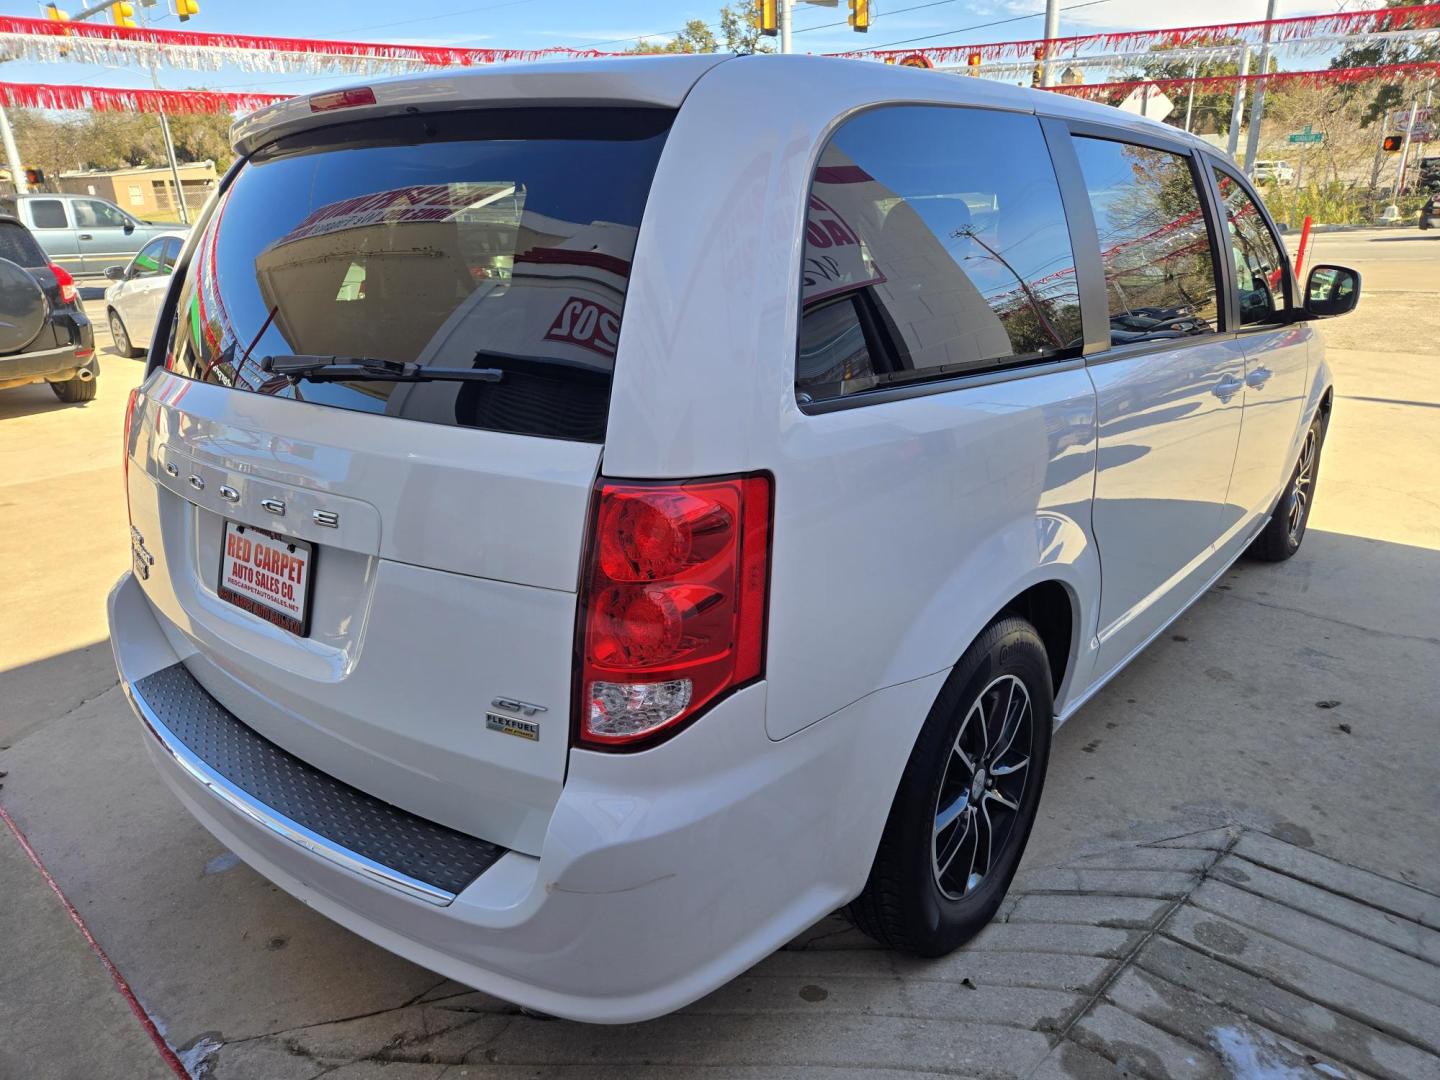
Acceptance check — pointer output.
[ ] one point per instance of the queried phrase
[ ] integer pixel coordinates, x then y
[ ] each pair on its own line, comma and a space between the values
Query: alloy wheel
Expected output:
981, 789
119, 336
1301, 489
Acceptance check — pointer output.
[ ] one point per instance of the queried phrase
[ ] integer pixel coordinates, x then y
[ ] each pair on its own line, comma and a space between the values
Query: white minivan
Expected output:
592, 520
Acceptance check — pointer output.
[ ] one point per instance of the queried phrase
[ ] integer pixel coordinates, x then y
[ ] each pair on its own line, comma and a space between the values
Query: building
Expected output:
145, 192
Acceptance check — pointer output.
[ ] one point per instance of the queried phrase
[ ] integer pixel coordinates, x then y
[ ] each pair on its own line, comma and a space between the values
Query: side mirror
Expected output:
129, 227
1331, 291
115, 273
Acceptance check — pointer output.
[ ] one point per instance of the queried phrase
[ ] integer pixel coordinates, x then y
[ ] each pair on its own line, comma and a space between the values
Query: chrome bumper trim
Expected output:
274, 822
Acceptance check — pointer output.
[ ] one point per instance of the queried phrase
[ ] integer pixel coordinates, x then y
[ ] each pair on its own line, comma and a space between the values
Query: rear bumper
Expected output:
663, 874
60, 363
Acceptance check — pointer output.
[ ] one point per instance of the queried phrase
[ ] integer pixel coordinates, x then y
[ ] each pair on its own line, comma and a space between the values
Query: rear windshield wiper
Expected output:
371, 369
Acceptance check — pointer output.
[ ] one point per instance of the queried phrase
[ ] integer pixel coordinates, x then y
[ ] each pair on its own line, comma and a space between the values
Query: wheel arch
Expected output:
1050, 607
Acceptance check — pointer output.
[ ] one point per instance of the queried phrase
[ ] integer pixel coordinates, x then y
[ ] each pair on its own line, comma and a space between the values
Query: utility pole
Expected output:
1052, 31
785, 6
1237, 107
1399, 187
1257, 106
12, 154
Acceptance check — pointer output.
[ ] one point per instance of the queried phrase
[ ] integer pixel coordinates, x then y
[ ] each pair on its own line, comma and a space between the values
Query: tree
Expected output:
740, 35
1380, 99
61, 142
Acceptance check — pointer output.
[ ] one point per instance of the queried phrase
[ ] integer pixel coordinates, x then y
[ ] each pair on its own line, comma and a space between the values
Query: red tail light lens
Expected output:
68, 292
673, 603
342, 99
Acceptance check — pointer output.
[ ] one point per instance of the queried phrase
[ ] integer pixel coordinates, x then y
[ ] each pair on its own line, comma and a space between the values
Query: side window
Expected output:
98, 215
48, 214
150, 260
1154, 243
935, 244
171, 253
1259, 258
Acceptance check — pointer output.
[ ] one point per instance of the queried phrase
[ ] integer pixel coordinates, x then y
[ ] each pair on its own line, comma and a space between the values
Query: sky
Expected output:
612, 24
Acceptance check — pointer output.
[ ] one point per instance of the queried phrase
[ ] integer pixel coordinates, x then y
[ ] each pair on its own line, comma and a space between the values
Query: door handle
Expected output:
1226, 387
1259, 377
86, 236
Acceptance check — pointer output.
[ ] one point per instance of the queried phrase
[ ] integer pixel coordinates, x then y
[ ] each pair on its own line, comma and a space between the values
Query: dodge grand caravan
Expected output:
590, 521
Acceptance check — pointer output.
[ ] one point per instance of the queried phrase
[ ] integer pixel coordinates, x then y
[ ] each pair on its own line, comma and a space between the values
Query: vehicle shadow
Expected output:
32, 400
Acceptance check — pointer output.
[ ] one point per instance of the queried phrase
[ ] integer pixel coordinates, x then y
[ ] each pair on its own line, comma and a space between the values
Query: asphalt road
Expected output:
1292, 705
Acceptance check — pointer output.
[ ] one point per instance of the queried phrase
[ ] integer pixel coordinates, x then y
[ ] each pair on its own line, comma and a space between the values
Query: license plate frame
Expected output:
267, 585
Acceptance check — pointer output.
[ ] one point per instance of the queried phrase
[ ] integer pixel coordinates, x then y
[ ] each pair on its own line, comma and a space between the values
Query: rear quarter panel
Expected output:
900, 529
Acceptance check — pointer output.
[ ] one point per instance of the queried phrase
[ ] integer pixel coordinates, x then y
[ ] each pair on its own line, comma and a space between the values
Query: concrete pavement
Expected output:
1286, 725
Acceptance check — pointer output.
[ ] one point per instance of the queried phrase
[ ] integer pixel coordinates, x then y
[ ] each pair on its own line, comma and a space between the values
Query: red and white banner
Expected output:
102, 43
113, 99
1286, 32
1323, 77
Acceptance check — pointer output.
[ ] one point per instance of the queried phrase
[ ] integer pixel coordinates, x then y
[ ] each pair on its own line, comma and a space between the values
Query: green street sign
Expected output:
1309, 135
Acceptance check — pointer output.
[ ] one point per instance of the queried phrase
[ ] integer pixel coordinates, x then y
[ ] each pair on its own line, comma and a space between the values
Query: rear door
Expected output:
1169, 388
56, 233
140, 297
1277, 352
378, 575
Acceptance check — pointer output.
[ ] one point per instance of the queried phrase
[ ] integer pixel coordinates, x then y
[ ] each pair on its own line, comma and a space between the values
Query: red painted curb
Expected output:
120, 984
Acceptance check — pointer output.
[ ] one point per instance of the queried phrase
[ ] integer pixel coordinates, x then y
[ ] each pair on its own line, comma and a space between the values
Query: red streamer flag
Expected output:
1323, 77
44, 39
1282, 31
112, 99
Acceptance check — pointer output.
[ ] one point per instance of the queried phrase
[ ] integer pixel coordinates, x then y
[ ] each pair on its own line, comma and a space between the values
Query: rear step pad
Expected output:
338, 815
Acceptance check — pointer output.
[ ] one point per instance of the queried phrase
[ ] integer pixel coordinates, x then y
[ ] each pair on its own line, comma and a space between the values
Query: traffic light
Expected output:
1393, 144
860, 15
54, 14
766, 17
123, 13
1037, 76
186, 8
35, 177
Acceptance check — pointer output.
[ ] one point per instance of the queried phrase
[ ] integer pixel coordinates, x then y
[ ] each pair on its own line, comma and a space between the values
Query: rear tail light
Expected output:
68, 292
673, 604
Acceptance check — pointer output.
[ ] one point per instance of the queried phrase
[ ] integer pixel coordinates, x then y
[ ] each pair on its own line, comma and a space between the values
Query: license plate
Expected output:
267, 575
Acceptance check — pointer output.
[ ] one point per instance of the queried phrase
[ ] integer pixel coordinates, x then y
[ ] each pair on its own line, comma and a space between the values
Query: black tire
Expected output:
909, 902
76, 390
121, 337
1283, 534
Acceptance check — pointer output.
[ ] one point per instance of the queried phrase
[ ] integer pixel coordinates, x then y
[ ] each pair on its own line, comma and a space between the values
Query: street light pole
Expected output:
1257, 106
1052, 31
785, 6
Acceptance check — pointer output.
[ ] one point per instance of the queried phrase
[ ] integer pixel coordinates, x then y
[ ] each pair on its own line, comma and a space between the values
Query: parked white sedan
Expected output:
132, 304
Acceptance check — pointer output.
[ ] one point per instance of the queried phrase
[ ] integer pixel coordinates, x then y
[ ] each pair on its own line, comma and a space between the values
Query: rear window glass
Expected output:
19, 246
935, 245
500, 239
